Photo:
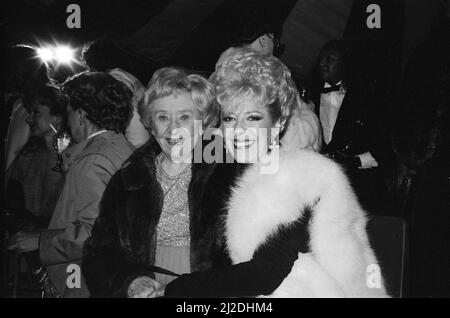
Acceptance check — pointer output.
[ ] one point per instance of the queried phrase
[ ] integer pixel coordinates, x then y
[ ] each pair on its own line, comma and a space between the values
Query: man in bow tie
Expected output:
350, 134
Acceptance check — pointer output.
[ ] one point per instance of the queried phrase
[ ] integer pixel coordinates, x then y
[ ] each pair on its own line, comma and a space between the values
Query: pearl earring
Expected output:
274, 145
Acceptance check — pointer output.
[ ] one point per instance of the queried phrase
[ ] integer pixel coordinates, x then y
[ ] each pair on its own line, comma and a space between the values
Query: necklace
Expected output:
168, 182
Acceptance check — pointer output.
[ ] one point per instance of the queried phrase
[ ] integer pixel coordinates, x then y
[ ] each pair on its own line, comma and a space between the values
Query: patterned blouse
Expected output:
173, 227
39, 183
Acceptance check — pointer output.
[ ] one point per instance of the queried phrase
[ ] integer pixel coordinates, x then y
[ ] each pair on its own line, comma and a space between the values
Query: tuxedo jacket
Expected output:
356, 129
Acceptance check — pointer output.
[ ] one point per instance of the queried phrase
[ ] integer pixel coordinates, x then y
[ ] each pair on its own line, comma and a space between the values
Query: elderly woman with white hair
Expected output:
153, 212
294, 231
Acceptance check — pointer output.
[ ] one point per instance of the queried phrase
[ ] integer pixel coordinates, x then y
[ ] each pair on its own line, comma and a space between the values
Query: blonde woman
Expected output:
296, 232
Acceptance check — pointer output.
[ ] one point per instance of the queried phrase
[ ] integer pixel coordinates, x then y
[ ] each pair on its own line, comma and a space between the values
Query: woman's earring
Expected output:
275, 132
274, 145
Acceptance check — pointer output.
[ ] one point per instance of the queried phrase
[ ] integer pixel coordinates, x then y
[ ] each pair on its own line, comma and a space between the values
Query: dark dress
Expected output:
271, 264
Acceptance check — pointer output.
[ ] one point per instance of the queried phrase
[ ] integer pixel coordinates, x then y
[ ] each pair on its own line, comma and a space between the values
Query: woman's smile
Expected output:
173, 118
174, 141
243, 143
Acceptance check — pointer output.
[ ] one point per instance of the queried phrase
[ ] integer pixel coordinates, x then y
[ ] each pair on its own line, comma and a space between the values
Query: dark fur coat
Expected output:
124, 236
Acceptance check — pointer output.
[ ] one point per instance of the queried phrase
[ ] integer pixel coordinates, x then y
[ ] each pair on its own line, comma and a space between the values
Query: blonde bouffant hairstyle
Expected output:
260, 77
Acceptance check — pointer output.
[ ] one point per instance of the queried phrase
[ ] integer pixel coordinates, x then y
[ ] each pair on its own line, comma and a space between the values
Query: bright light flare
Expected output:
57, 54
64, 54
45, 54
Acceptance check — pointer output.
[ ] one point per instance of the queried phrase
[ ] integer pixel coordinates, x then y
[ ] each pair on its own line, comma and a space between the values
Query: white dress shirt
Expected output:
330, 104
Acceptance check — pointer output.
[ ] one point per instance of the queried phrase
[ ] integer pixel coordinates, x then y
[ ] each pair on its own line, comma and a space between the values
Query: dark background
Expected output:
193, 33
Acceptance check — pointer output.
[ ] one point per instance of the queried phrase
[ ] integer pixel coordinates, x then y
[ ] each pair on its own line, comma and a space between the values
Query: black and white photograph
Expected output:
230, 151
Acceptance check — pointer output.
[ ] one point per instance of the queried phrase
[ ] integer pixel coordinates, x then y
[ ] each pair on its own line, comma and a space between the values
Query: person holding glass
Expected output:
98, 111
32, 184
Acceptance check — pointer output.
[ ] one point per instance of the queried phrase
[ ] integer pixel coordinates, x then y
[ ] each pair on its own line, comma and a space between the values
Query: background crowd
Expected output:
87, 154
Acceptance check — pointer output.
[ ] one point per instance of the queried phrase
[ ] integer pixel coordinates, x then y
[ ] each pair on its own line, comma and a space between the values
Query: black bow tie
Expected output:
334, 88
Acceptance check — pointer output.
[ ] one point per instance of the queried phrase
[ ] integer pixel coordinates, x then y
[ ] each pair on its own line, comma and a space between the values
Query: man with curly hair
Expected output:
98, 112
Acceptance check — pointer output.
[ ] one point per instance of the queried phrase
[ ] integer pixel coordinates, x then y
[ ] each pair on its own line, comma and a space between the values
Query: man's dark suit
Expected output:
357, 131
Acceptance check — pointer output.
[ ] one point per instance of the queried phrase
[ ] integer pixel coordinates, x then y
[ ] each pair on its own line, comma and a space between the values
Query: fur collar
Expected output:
261, 203
137, 170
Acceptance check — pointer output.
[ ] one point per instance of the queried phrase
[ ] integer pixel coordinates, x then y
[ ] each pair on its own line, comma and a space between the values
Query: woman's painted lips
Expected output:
173, 142
243, 143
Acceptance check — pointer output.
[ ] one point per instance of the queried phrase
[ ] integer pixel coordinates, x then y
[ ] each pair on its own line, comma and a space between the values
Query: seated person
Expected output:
351, 135
294, 231
98, 111
106, 56
286, 229
177, 230
23, 71
136, 132
303, 129
33, 186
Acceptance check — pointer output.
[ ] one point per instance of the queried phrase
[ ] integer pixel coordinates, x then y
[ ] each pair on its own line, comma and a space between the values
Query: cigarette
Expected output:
53, 128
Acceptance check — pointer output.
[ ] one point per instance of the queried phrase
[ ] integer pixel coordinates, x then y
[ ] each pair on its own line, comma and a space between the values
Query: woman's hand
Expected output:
23, 242
143, 287
159, 292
